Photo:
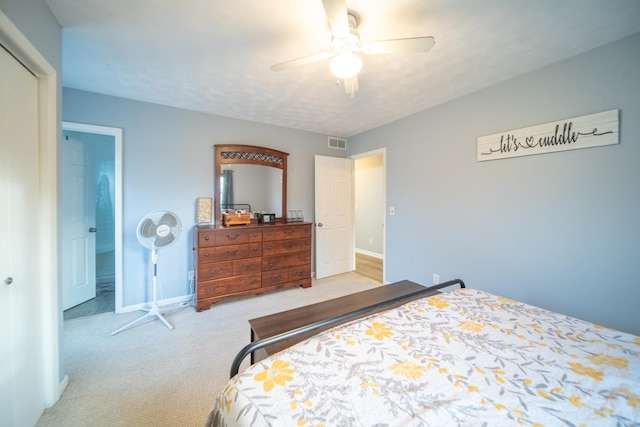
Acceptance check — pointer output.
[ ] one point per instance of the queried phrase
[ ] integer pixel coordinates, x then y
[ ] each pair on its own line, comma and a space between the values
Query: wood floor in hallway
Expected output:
369, 266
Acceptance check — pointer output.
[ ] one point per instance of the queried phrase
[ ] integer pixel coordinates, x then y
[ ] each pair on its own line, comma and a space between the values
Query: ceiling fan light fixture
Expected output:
345, 65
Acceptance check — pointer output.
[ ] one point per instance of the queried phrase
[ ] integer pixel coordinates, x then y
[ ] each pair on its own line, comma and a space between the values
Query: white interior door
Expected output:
333, 215
78, 222
21, 372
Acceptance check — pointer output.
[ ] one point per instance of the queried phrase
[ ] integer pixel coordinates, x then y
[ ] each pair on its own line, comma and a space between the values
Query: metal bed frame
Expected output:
256, 345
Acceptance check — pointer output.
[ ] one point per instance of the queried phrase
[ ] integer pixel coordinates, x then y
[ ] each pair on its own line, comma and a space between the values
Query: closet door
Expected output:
21, 349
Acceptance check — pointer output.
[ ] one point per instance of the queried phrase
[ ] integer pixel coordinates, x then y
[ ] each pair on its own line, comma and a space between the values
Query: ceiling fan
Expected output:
345, 46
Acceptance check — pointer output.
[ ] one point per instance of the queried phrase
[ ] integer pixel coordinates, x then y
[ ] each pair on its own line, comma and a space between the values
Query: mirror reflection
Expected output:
251, 187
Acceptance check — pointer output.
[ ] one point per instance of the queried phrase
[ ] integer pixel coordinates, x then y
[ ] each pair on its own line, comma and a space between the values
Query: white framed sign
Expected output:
592, 130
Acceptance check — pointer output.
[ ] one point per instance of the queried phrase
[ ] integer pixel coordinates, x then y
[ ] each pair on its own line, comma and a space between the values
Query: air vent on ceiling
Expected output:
339, 143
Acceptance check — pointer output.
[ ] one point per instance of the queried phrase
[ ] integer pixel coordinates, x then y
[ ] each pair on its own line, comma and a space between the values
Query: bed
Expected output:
461, 357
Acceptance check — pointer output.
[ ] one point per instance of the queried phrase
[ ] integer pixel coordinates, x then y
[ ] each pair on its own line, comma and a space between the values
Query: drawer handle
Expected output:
212, 290
250, 282
206, 237
229, 237
276, 278
288, 233
269, 247
268, 233
206, 254
255, 234
212, 271
256, 249
247, 267
288, 245
232, 253
306, 243
272, 263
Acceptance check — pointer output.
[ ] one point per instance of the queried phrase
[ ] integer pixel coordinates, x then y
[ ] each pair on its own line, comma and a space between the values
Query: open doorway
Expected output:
370, 202
91, 242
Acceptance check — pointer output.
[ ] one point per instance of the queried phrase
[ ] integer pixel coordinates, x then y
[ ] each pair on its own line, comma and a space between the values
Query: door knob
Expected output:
319, 224
92, 230
8, 280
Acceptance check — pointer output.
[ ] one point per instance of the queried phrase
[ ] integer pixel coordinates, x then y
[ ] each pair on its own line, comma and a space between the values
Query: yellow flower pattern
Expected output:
408, 370
438, 303
456, 358
580, 369
278, 374
380, 331
608, 360
471, 326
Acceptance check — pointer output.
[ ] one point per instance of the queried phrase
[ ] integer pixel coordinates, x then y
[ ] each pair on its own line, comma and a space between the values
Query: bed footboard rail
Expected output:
256, 345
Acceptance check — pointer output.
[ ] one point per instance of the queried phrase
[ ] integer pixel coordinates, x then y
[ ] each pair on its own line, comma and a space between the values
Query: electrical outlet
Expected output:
436, 279
191, 275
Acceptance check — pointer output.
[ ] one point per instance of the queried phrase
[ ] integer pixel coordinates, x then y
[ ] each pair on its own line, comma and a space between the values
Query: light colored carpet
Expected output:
152, 376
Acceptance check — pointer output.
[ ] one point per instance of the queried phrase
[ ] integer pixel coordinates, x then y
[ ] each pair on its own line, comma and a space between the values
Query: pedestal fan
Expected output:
157, 230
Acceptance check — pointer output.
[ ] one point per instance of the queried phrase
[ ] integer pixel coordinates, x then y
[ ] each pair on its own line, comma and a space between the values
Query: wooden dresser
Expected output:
250, 259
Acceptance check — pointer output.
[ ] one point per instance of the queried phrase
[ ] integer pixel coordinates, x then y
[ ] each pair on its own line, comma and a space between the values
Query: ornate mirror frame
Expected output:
252, 155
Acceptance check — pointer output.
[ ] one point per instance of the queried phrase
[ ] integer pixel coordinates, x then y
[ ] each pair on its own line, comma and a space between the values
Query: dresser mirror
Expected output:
258, 178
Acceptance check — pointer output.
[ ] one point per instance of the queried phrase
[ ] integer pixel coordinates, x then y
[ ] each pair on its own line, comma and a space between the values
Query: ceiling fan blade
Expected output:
336, 11
302, 61
410, 45
351, 85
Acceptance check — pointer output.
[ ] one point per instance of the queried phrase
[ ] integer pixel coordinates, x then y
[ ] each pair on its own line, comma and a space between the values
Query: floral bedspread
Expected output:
464, 357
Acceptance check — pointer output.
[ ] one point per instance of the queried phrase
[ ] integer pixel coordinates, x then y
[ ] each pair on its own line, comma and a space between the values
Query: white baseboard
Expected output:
62, 386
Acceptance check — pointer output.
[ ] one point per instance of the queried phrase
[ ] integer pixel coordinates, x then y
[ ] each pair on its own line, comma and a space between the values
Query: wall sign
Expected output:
592, 130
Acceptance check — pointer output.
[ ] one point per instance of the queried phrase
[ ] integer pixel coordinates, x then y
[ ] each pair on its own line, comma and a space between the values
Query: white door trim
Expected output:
49, 309
117, 135
383, 153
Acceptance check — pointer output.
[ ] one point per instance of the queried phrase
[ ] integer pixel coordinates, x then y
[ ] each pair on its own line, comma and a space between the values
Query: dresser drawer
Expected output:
277, 262
275, 277
300, 272
285, 246
229, 252
215, 270
228, 286
228, 236
247, 266
288, 232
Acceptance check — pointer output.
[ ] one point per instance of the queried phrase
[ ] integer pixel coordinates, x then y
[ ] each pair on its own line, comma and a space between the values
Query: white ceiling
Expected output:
214, 55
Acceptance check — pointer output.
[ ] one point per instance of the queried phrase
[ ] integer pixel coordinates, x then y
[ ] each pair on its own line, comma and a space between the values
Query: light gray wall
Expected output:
168, 164
36, 22
558, 230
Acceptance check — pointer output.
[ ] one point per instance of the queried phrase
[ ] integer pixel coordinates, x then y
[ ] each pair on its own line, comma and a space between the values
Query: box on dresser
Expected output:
250, 259
236, 219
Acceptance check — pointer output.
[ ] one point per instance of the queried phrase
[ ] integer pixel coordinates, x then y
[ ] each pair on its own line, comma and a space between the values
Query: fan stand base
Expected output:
152, 311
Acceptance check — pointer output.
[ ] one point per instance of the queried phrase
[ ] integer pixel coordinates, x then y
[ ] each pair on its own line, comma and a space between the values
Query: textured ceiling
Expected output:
214, 55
